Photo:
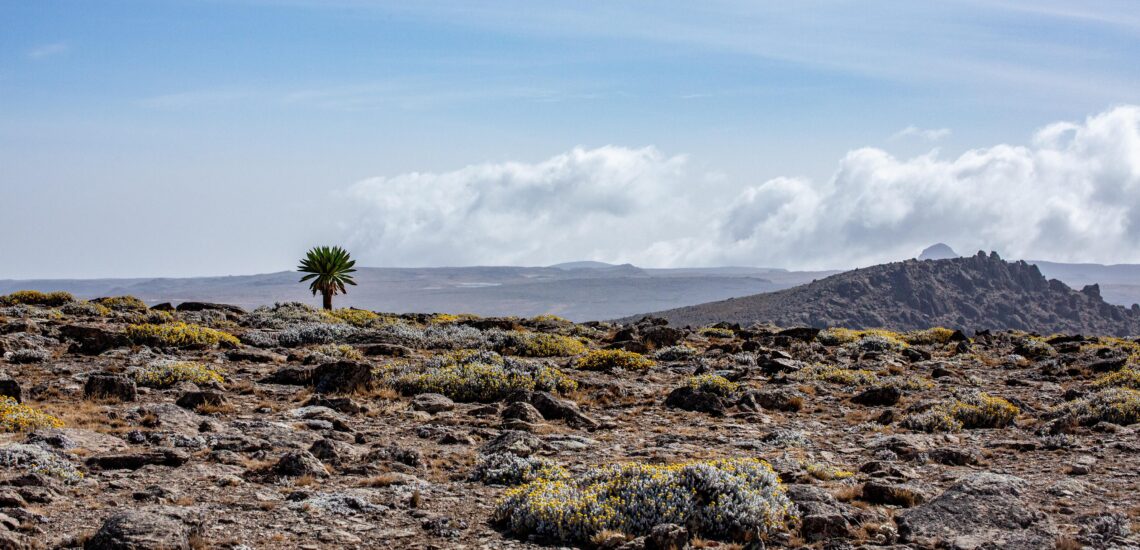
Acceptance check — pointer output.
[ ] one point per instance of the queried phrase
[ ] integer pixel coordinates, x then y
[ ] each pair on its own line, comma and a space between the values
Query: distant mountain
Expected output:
976, 292
938, 252
583, 265
591, 291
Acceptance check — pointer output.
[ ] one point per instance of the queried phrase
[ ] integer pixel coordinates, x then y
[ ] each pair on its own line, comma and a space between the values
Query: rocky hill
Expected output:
973, 293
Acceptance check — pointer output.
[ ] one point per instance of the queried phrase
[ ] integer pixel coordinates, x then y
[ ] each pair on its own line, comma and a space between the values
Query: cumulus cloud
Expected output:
928, 134
609, 203
1071, 194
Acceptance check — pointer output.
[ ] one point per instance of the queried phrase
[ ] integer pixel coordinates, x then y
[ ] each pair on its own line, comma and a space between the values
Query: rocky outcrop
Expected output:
973, 293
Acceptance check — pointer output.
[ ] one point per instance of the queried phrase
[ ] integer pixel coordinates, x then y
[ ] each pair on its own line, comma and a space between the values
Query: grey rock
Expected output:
140, 530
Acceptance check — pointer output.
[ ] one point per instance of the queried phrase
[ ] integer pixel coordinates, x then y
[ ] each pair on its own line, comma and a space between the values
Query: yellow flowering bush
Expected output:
609, 359
826, 473
869, 338
537, 344
1116, 405
37, 298
936, 335
17, 417
473, 375
179, 335
713, 383
360, 318
1124, 378
122, 303
977, 410
738, 499
716, 332
837, 375
168, 373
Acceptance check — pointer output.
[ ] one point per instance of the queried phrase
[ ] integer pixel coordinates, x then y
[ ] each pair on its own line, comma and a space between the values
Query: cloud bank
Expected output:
1072, 194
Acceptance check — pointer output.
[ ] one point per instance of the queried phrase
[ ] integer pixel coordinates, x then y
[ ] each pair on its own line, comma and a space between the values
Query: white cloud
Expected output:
48, 50
1073, 194
926, 134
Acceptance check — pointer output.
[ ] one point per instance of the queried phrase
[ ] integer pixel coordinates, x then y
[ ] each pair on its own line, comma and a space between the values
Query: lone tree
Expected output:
329, 268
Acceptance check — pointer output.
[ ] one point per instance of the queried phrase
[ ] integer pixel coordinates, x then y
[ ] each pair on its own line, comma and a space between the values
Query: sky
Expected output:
213, 137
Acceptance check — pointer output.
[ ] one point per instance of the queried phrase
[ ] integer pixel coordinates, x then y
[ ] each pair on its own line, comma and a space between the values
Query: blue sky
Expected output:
148, 138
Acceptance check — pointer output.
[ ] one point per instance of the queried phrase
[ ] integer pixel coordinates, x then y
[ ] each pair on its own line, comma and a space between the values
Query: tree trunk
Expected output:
327, 297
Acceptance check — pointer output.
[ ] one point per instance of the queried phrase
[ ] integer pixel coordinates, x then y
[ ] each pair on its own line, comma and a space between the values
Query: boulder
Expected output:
556, 408
11, 388
299, 464
140, 530
523, 411
878, 396
208, 306
107, 385
693, 399
194, 399
984, 510
134, 460
342, 377
781, 399
432, 403
93, 339
254, 355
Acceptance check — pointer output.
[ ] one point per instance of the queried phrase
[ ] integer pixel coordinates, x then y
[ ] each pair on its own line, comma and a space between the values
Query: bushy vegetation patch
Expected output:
716, 332
537, 344
836, 375
473, 375
1124, 378
36, 298
315, 333
86, 309
675, 353
936, 335
17, 417
713, 383
362, 318
334, 352
32, 459
280, 316
179, 335
121, 303
870, 339
734, 499
1115, 405
511, 469
974, 410
610, 359
162, 374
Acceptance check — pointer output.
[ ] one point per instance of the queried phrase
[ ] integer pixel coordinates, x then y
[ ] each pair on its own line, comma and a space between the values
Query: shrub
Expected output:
909, 383
739, 499
837, 375
37, 298
163, 374
315, 333
33, 459
1116, 405
610, 359
361, 318
977, 410
122, 303
1124, 378
713, 383
472, 375
535, 344
548, 319
675, 353
937, 419
511, 469
716, 332
936, 335
869, 340
335, 352
16, 417
85, 308
29, 355
442, 318
1034, 348
982, 410
179, 335
827, 473
452, 336
280, 316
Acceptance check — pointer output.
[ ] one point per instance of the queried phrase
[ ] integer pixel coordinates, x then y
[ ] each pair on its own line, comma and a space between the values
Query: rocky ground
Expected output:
292, 428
